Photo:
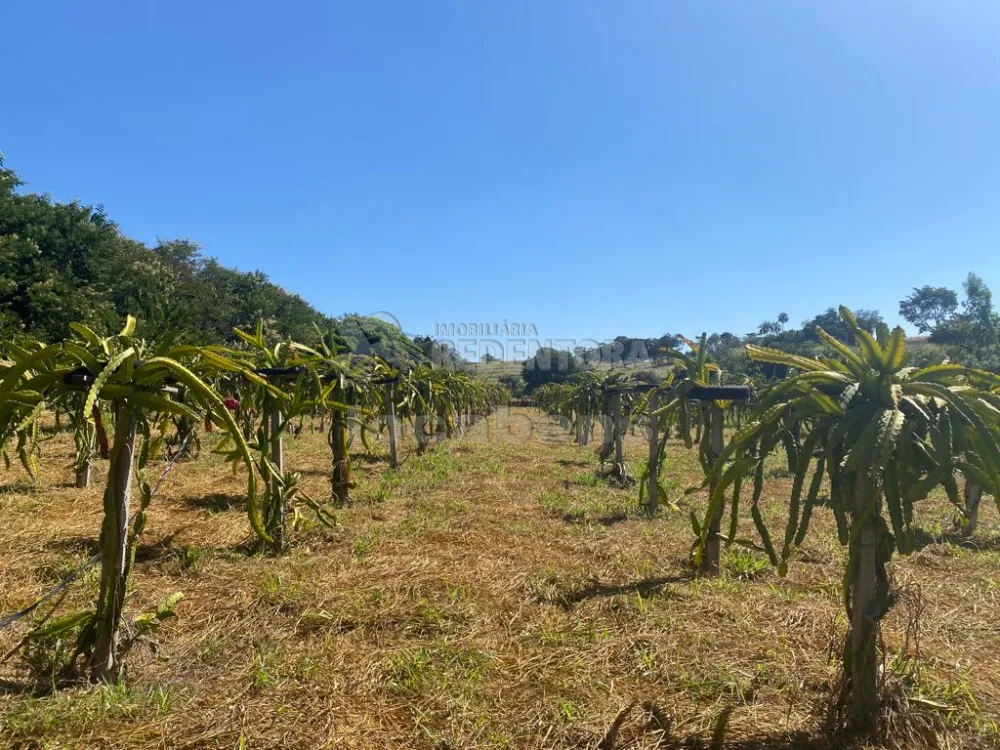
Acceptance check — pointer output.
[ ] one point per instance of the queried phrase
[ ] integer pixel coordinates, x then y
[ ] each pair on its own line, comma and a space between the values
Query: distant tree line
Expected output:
64, 262
966, 330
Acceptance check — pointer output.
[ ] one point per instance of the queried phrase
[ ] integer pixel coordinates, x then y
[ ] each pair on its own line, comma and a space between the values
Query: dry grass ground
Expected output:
491, 594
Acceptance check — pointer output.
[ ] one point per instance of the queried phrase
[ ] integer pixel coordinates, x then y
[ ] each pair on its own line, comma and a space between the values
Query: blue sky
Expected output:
591, 167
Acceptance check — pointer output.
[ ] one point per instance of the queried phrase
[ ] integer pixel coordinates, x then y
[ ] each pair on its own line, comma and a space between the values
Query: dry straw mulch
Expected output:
491, 594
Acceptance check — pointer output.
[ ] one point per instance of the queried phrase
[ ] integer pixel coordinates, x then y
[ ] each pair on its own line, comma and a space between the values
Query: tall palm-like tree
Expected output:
277, 384
692, 371
144, 384
346, 378
553, 398
434, 404
585, 402
884, 435
22, 403
618, 398
346, 387
979, 480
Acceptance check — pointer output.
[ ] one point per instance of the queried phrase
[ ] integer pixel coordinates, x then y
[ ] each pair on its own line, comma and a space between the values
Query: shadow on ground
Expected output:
647, 587
925, 539
217, 502
638, 724
609, 520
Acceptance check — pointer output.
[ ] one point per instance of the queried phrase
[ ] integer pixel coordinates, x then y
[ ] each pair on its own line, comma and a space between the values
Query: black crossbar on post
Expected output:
82, 379
290, 373
279, 373
720, 393
697, 393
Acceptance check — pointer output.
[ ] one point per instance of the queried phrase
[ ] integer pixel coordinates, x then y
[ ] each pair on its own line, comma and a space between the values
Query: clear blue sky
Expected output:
591, 167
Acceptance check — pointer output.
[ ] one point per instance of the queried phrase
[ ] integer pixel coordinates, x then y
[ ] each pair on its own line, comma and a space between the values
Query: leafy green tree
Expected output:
978, 311
548, 366
928, 307
374, 337
57, 262
973, 334
437, 352
513, 383
831, 322
65, 262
